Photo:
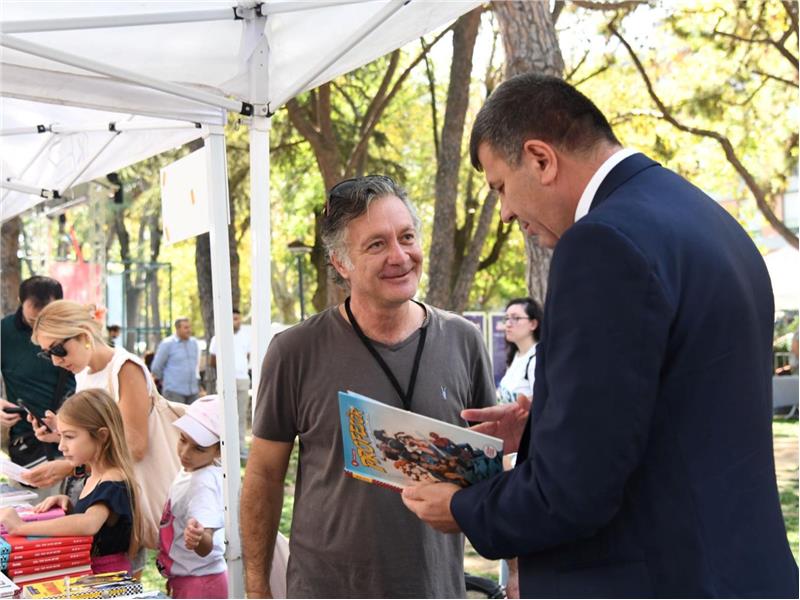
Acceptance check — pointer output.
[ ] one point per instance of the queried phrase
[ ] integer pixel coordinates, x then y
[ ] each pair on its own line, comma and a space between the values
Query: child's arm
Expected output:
197, 538
88, 523
60, 500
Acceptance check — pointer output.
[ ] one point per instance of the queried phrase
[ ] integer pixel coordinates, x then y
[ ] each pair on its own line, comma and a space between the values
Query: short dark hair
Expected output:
40, 290
113, 328
348, 200
236, 311
180, 320
532, 106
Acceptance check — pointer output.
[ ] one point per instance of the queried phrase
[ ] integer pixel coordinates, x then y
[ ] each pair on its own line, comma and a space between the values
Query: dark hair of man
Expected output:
40, 290
348, 200
236, 311
540, 107
532, 311
180, 320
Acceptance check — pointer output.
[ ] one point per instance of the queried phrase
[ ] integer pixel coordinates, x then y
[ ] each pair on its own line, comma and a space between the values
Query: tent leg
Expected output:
219, 215
261, 303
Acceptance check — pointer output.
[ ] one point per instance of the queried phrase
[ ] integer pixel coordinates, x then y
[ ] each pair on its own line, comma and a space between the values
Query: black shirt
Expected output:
111, 539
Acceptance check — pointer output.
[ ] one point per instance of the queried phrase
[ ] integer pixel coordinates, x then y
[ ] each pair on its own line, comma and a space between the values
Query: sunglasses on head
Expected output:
345, 188
57, 350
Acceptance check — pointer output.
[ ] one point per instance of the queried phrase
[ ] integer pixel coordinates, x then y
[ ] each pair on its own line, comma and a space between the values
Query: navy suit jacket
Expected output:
647, 467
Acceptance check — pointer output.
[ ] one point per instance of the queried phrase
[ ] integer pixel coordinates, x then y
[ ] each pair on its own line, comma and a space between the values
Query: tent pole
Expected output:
36, 156
272, 8
219, 215
89, 162
107, 21
389, 9
261, 303
123, 126
25, 188
260, 232
119, 74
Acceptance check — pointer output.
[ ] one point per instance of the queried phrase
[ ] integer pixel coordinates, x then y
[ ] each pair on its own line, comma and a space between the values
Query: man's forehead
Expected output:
400, 217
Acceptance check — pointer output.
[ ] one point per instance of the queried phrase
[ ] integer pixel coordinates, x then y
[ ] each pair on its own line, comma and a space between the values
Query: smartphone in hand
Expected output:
37, 419
15, 410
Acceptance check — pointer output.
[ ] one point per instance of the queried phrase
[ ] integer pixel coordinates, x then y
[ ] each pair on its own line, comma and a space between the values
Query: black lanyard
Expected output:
405, 397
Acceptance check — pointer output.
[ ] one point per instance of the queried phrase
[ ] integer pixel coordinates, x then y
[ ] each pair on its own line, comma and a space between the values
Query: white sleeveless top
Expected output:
155, 471
108, 377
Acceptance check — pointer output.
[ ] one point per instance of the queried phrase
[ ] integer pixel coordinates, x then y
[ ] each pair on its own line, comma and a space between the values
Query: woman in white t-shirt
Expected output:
71, 336
523, 317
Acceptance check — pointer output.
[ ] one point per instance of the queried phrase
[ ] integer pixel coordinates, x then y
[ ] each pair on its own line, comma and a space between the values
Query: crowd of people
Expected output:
643, 433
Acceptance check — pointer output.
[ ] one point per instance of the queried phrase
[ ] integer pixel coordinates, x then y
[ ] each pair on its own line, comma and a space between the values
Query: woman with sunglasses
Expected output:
72, 339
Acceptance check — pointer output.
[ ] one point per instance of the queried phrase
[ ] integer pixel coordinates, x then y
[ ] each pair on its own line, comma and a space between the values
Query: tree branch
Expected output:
357, 156
592, 5
558, 6
432, 90
723, 141
503, 231
790, 6
594, 73
302, 123
367, 133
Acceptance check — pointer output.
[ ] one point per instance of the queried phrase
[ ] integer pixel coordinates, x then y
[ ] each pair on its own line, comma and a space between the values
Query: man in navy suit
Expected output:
646, 466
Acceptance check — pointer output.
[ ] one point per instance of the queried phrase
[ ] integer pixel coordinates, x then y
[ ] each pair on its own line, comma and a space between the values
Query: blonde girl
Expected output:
92, 434
72, 338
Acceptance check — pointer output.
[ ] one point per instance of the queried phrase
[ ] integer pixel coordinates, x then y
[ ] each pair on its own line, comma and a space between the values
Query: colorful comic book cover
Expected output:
104, 585
395, 448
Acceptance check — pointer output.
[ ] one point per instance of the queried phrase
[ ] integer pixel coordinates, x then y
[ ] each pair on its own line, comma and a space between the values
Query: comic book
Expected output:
395, 448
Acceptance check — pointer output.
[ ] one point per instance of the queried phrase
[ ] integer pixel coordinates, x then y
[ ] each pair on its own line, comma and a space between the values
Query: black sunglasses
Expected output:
344, 189
57, 350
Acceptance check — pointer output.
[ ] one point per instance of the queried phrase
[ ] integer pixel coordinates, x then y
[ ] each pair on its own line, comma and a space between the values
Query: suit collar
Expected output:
620, 174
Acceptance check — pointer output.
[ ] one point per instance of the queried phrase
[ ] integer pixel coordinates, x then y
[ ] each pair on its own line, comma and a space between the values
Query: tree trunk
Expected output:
442, 253
10, 265
202, 263
531, 45
152, 280
283, 298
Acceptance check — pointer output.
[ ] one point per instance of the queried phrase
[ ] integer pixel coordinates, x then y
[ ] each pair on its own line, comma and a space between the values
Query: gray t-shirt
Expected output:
350, 539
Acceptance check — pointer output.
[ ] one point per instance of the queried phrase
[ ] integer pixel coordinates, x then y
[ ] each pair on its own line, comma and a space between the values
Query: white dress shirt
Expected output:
594, 183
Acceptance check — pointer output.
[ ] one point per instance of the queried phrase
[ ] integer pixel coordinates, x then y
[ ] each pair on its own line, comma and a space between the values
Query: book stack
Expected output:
31, 559
104, 585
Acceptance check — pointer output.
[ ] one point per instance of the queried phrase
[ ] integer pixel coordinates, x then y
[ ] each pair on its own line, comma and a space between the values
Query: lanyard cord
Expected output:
405, 397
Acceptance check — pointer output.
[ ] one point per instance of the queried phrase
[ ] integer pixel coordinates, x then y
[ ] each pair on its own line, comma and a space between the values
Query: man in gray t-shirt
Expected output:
350, 538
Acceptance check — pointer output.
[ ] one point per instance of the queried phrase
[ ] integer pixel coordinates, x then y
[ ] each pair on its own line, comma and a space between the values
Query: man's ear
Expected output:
543, 158
339, 266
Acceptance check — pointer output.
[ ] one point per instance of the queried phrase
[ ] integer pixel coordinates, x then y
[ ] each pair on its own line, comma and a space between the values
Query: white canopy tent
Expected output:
193, 63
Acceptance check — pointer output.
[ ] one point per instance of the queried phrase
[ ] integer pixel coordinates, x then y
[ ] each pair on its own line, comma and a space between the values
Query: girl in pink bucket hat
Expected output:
192, 535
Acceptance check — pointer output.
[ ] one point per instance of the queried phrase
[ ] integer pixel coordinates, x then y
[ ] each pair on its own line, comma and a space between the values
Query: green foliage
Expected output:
710, 76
